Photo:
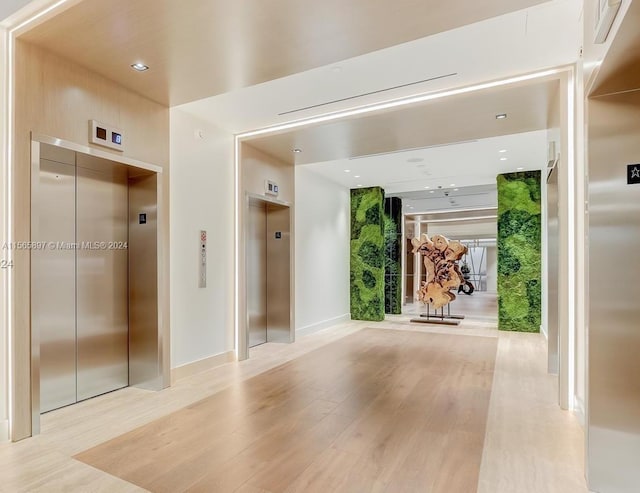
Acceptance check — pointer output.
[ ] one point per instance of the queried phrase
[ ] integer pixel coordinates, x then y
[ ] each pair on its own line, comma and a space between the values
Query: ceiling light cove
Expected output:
140, 67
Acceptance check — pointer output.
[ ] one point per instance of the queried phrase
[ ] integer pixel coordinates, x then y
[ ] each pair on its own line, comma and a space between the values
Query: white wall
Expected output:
202, 198
464, 230
4, 354
322, 223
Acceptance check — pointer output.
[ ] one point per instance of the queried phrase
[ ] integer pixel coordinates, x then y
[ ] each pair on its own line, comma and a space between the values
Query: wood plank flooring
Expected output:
531, 445
377, 411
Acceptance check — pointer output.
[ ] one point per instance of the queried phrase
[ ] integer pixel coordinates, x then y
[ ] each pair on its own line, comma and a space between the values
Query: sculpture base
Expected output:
433, 320
454, 317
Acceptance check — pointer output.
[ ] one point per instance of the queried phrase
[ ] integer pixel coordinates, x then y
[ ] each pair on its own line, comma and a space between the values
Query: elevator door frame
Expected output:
243, 336
163, 328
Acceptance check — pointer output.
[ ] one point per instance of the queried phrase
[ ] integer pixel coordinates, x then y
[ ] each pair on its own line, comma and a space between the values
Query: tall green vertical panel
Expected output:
392, 255
519, 252
367, 254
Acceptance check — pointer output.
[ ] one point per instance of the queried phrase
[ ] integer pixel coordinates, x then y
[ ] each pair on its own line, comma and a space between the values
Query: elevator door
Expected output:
53, 294
257, 273
102, 275
79, 276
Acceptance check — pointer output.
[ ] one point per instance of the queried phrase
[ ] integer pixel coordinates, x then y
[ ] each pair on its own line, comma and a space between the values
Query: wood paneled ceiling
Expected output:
200, 48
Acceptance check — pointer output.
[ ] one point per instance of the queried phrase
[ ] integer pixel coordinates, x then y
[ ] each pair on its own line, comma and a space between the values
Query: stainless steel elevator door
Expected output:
257, 273
53, 294
102, 266
614, 291
278, 273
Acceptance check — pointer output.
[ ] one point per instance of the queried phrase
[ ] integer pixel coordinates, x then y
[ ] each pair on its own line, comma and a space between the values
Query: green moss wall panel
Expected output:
367, 254
519, 252
392, 252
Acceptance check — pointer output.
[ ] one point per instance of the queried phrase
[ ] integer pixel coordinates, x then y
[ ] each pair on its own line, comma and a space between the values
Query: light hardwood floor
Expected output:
530, 445
382, 410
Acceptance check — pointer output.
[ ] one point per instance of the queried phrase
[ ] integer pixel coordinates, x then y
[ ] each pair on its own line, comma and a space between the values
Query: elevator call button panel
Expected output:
202, 274
105, 135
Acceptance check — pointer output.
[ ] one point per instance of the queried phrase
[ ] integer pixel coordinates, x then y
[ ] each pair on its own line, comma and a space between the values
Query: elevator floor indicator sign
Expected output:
633, 174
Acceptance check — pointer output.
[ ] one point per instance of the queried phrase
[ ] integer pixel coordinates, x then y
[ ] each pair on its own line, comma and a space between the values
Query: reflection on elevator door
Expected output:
80, 279
257, 268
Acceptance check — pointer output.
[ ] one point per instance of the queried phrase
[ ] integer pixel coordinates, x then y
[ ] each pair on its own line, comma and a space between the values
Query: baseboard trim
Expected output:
579, 410
4, 430
180, 372
317, 327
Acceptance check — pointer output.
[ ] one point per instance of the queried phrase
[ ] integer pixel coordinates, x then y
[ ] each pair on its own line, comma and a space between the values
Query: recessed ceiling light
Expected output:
503, 159
501, 116
427, 188
456, 189
347, 171
502, 150
431, 191
140, 67
296, 150
359, 185
520, 169
357, 176
452, 185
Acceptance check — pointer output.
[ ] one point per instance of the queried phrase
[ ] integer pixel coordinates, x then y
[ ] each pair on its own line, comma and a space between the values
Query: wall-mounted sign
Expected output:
633, 174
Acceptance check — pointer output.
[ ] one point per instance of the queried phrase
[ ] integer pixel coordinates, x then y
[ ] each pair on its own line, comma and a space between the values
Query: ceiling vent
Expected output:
379, 91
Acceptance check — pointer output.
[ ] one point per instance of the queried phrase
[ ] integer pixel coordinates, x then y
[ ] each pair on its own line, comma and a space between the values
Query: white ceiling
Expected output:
448, 167
9, 7
446, 120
